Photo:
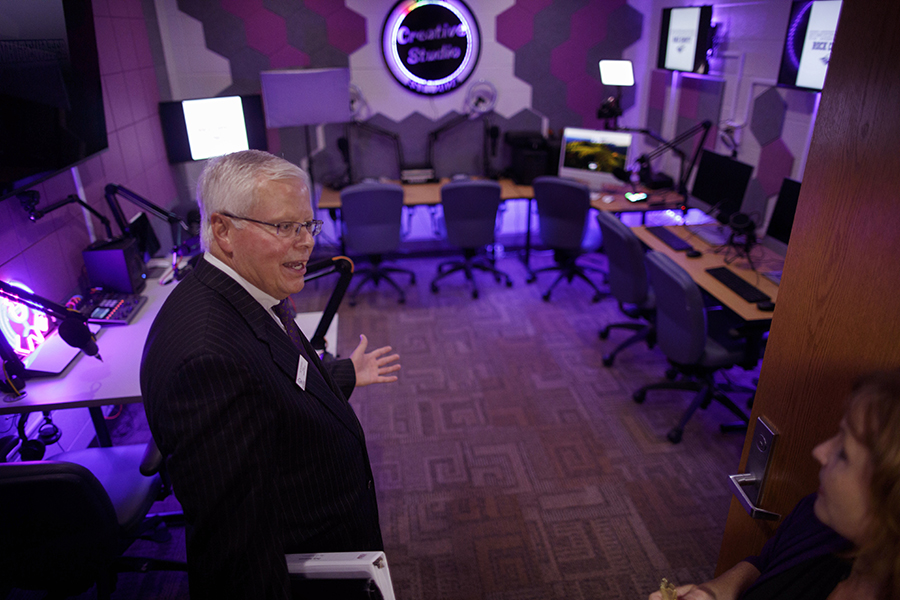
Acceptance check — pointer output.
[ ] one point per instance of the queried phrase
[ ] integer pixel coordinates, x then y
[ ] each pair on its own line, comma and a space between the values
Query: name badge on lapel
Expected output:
302, 367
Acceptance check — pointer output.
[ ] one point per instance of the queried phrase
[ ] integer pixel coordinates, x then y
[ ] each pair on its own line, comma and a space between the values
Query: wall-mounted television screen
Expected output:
807, 43
591, 156
684, 38
51, 101
206, 127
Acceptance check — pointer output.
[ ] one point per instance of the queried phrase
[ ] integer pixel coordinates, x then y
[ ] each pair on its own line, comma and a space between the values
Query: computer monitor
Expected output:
205, 127
778, 232
590, 156
720, 184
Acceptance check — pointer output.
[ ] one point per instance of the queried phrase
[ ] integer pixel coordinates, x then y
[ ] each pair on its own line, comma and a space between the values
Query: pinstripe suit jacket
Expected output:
260, 466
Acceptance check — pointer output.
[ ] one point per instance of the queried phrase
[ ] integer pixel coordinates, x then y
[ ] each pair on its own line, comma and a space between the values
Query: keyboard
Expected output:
671, 239
737, 284
714, 235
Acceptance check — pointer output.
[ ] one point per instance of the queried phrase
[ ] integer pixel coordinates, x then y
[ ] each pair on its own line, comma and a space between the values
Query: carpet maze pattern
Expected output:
510, 463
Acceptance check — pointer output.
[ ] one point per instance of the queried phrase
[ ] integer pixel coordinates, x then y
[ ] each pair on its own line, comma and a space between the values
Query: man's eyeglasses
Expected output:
286, 228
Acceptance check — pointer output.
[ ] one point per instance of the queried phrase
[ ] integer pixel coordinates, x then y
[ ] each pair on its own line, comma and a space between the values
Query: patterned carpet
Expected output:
510, 463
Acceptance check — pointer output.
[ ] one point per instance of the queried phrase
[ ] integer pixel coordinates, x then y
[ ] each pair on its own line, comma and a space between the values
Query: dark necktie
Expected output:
285, 313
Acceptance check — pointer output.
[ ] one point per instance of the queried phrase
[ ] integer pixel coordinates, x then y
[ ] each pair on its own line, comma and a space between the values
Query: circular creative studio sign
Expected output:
430, 46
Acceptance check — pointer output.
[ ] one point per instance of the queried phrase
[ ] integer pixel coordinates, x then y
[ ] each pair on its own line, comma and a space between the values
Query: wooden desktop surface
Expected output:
763, 260
429, 194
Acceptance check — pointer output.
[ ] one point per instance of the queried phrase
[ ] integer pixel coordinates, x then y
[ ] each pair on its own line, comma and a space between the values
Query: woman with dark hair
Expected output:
844, 541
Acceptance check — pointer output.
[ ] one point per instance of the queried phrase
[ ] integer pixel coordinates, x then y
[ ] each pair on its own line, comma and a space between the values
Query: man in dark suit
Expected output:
265, 453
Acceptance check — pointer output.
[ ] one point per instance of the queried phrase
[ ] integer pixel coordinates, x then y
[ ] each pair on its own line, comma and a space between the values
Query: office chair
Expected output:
371, 214
470, 215
628, 284
683, 334
562, 215
68, 520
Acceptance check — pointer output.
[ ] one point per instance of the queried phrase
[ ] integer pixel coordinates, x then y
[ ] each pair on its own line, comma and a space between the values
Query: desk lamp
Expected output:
616, 73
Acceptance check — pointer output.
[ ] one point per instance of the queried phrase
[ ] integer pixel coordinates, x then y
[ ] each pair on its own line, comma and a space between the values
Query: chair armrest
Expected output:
153, 460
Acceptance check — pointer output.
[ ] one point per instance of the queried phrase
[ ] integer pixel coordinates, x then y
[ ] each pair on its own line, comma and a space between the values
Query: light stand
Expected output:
616, 73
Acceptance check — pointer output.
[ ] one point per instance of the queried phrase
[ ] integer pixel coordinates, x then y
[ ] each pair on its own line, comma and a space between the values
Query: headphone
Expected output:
48, 433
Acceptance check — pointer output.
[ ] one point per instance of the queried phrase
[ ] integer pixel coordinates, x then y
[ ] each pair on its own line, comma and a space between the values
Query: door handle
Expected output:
737, 483
758, 459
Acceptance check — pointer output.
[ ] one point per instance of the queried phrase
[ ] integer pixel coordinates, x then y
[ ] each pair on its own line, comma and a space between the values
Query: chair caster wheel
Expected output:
596, 298
603, 333
401, 300
546, 297
608, 361
639, 396
509, 283
412, 279
674, 435
475, 295
352, 302
531, 279
434, 289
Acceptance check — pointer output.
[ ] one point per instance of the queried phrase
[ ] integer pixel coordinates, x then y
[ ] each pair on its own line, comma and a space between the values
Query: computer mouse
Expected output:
693, 253
766, 305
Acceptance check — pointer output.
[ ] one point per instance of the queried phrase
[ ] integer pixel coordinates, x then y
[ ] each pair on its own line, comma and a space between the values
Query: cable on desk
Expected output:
115, 416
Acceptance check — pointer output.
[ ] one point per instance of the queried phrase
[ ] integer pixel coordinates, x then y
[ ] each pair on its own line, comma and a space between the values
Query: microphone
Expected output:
75, 333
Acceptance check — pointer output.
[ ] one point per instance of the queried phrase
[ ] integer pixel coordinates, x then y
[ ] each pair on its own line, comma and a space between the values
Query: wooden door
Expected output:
838, 309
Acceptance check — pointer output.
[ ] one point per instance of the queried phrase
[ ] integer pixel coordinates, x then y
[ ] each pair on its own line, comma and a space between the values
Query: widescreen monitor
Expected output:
590, 156
684, 38
720, 184
205, 127
51, 100
807, 43
778, 233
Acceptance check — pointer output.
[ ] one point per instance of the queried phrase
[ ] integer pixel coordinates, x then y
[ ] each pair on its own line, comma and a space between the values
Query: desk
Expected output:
89, 383
696, 268
666, 200
427, 194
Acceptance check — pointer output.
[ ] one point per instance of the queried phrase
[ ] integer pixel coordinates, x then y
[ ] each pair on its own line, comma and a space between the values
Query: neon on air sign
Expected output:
430, 46
24, 328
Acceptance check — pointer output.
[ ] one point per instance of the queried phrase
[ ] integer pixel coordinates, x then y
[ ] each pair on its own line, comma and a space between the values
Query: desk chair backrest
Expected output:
681, 327
563, 206
470, 212
371, 214
627, 276
59, 526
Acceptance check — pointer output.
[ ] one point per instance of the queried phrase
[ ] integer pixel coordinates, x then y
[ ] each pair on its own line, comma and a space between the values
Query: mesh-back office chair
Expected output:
69, 519
682, 329
628, 284
563, 206
470, 215
371, 214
